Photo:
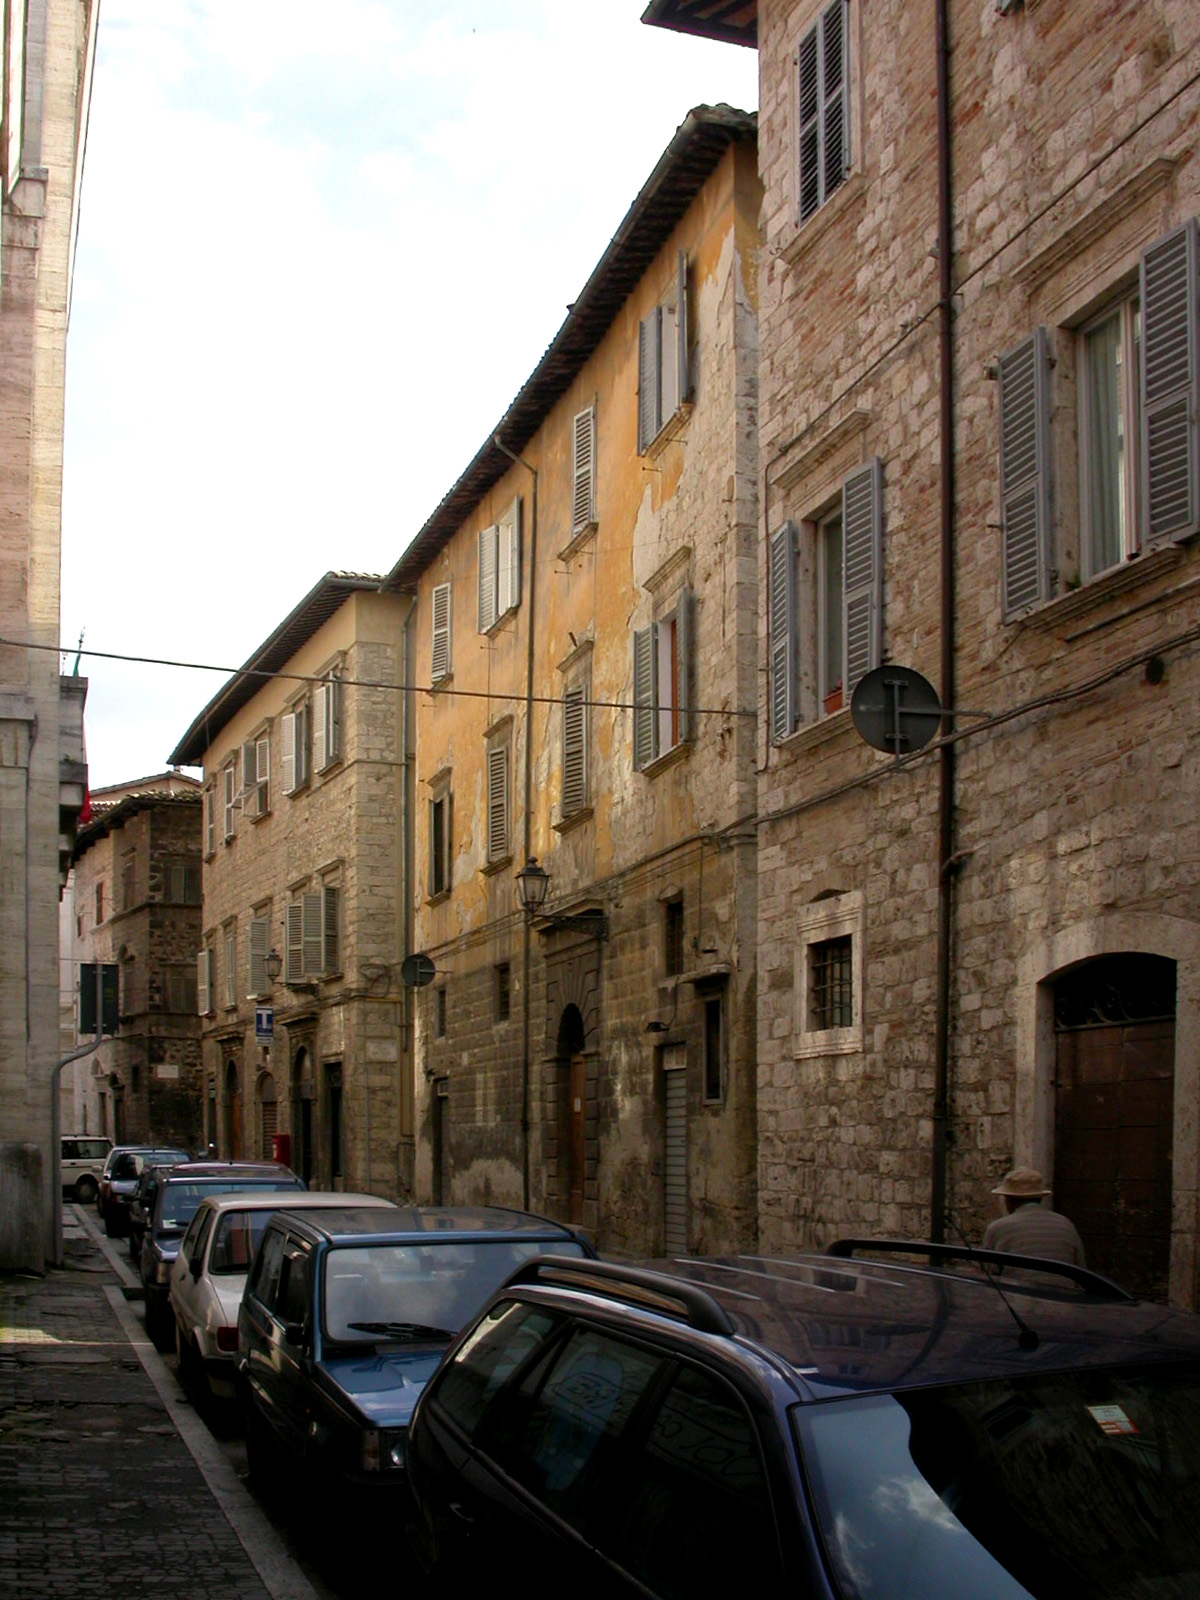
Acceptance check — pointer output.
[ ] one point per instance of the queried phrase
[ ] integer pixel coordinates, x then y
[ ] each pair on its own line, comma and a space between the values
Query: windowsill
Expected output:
677, 753
493, 867
443, 682
813, 734
438, 899
498, 625
1076, 605
815, 227
577, 541
829, 1042
673, 428
567, 824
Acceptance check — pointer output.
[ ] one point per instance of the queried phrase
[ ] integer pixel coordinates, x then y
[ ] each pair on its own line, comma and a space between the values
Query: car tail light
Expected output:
227, 1339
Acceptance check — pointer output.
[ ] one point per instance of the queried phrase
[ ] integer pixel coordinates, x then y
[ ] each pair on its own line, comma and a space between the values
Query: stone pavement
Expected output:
108, 1481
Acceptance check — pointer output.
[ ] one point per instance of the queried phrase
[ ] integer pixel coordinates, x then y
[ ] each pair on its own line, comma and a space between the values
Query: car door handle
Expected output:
463, 1515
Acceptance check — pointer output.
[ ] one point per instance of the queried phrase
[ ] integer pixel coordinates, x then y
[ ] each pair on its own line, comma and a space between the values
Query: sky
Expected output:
320, 250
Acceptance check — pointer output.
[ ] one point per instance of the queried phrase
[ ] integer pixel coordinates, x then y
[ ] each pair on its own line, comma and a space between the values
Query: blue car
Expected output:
346, 1316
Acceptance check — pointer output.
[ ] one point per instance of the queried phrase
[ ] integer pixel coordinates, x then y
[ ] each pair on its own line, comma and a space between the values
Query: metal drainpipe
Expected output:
528, 830
937, 1195
407, 800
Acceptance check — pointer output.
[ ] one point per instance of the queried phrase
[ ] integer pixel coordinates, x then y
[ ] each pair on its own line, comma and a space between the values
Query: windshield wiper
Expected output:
402, 1330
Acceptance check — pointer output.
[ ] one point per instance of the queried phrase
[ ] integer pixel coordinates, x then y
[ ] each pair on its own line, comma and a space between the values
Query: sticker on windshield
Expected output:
1112, 1419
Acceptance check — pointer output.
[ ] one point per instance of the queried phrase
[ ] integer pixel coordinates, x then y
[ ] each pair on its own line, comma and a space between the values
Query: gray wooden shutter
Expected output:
287, 752
262, 776
300, 747
645, 697
835, 60
249, 779
574, 789
808, 66
583, 506
331, 691
204, 982
680, 353
441, 632
862, 582
293, 969
231, 969
229, 788
1025, 473
684, 611
781, 627
320, 708
487, 577
508, 560
1170, 390
648, 382
311, 934
497, 798
331, 955
260, 934
210, 819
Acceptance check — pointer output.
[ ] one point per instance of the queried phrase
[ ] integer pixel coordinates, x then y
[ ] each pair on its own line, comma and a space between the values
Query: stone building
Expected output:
978, 429
585, 614
46, 49
136, 897
304, 1033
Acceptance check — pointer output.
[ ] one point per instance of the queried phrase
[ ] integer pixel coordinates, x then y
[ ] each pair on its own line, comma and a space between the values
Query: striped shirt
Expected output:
1034, 1230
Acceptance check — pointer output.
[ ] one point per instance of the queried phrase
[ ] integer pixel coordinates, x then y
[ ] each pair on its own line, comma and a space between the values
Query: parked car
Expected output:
345, 1317
825, 1426
83, 1158
210, 1274
141, 1205
178, 1193
119, 1180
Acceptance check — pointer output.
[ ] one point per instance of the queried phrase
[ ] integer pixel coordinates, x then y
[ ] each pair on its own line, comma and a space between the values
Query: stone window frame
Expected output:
836, 916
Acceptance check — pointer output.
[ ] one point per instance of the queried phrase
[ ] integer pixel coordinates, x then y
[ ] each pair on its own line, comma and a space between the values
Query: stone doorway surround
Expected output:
1044, 960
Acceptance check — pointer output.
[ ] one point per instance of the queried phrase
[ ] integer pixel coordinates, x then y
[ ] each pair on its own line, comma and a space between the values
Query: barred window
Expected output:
831, 984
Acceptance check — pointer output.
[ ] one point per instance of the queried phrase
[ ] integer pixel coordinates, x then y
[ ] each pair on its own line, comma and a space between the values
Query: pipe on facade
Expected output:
946, 772
527, 942
408, 1095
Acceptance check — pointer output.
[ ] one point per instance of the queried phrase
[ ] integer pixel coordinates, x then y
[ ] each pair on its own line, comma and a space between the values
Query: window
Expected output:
660, 685
294, 747
181, 880
312, 935
500, 568
260, 945
229, 800
497, 803
828, 973
439, 1013
714, 1047
231, 965
662, 362
583, 473
180, 989
100, 902
1138, 424
256, 776
673, 938
826, 585
440, 856
575, 751
204, 982
210, 820
831, 984
503, 991
327, 723
441, 663
128, 881
823, 67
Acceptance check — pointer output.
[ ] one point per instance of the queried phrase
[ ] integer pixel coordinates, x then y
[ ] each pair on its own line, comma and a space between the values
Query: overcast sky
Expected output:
321, 249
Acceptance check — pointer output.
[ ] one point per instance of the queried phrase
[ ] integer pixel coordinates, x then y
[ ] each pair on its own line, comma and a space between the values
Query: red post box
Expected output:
281, 1148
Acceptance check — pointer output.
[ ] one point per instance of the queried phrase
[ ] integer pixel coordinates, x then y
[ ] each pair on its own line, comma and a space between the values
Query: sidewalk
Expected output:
108, 1480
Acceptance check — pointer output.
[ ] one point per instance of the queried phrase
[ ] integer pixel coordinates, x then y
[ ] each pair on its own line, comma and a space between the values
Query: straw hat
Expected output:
1023, 1183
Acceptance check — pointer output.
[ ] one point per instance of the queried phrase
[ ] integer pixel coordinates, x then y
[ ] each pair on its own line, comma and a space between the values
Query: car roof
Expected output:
188, 1171
400, 1224
833, 1326
293, 1200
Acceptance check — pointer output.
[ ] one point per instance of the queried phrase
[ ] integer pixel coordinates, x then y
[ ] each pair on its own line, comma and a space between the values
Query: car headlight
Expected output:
383, 1449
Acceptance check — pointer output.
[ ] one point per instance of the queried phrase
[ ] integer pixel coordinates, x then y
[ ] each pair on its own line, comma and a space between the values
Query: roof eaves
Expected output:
728, 21
681, 171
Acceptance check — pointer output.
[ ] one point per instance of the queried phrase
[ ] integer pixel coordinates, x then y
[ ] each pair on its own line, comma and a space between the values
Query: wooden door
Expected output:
576, 1136
675, 1207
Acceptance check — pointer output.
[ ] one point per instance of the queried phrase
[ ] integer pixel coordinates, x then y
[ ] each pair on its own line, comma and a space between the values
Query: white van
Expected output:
83, 1158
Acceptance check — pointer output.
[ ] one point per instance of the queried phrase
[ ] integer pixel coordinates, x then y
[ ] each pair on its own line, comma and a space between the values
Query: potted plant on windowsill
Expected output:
833, 700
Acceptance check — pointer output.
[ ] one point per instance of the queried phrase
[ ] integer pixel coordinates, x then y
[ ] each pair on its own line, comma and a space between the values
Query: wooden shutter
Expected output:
293, 967
231, 969
645, 697
260, 944
204, 982
1025, 473
497, 817
262, 776
683, 667
1170, 441
250, 779
441, 632
210, 820
331, 957
823, 71
229, 783
583, 505
680, 352
300, 747
781, 628
312, 935
862, 577
508, 560
488, 539
574, 789
287, 752
320, 708
329, 697
648, 382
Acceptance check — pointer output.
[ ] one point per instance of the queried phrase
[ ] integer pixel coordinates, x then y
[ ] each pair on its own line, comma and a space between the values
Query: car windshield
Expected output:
236, 1240
1086, 1482
181, 1200
410, 1292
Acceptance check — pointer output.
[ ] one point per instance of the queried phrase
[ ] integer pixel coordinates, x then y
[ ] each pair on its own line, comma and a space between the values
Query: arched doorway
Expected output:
1114, 1091
571, 1117
302, 1115
268, 1116
233, 1113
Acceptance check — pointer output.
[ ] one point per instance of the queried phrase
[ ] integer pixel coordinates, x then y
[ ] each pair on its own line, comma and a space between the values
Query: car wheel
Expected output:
85, 1189
156, 1324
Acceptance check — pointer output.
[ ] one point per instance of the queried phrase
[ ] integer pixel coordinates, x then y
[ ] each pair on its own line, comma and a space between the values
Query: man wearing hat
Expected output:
1029, 1228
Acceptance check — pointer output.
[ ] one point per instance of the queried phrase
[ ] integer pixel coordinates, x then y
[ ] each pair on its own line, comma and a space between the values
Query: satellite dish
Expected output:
895, 709
417, 971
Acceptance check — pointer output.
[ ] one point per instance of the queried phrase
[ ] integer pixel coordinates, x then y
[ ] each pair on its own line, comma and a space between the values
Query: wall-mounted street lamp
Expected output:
274, 964
533, 885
